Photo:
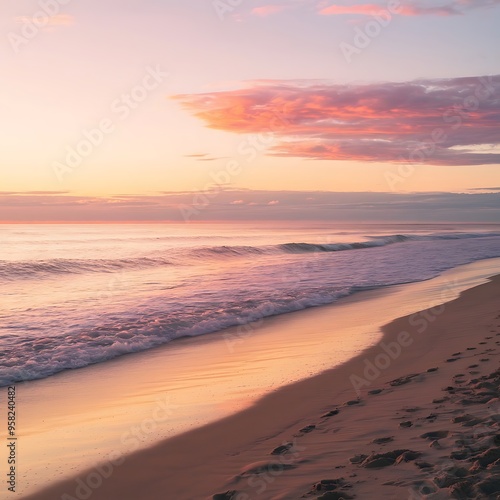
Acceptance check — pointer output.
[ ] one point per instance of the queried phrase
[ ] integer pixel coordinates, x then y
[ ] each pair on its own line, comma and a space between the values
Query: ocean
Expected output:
77, 295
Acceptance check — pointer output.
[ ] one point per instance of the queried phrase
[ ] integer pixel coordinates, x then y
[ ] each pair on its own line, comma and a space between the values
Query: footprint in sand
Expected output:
439, 401
383, 440
403, 380
264, 467
379, 460
352, 402
424, 465
331, 487
307, 429
434, 435
466, 420
228, 495
412, 409
406, 424
281, 450
331, 413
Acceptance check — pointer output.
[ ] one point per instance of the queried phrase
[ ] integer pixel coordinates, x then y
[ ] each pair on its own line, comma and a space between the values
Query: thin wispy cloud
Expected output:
374, 9
451, 120
403, 8
234, 204
31, 193
485, 190
47, 21
204, 157
410, 8
268, 10
265, 9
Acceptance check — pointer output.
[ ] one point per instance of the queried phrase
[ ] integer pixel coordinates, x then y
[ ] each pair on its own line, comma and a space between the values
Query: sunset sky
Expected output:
121, 101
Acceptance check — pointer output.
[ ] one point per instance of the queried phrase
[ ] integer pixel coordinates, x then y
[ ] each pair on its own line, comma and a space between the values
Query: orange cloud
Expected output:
47, 21
441, 122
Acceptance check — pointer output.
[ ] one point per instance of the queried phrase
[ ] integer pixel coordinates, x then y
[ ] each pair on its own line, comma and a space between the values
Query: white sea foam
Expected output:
73, 306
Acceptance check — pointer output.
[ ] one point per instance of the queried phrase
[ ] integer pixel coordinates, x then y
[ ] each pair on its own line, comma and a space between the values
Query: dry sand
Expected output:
422, 425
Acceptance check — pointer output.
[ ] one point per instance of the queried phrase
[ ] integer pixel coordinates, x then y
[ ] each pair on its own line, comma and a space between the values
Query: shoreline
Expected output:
357, 296
217, 453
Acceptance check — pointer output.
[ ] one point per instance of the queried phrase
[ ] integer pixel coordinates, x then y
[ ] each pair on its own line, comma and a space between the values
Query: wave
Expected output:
298, 248
39, 341
340, 247
378, 241
228, 251
31, 358
12, 270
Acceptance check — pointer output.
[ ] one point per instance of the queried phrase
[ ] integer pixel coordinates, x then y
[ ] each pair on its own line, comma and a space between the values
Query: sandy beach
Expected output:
415, 416
250, 250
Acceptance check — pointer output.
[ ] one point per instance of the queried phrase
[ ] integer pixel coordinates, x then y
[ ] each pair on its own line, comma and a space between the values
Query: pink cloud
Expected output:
366, 9
441, 121
415, 10
409, 8
268, 10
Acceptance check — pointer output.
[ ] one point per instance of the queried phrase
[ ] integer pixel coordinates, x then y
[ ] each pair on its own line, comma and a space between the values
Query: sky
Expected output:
147, 103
